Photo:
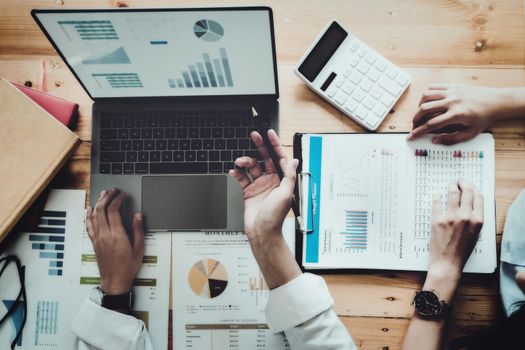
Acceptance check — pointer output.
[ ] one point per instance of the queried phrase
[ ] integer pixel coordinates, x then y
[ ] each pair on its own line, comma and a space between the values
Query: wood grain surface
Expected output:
467, 42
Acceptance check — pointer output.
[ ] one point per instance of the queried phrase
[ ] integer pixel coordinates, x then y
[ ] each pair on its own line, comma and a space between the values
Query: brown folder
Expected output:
33, 148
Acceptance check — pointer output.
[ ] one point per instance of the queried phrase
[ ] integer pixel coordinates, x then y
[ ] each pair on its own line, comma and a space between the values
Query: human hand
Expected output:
267, 199
456, 230
456, 113
119, 260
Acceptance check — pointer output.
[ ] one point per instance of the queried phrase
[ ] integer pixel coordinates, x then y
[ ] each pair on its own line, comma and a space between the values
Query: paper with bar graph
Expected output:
370, 196
61, 270
50, 254
219, 293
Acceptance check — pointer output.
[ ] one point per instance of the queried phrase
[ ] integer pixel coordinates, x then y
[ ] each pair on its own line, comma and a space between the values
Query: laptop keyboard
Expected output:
175, 142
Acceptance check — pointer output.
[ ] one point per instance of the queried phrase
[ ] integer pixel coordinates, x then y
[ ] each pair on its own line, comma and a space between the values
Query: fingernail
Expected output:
102, 194
409, 136
138, 216
436, 141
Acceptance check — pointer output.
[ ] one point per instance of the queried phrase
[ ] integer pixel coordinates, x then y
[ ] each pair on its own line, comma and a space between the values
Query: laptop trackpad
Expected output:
184, 202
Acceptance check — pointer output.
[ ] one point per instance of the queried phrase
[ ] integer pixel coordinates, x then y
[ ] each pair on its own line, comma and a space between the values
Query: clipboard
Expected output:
303, 175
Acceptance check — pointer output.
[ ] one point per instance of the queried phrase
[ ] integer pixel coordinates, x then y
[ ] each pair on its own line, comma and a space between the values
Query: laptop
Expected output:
173, 91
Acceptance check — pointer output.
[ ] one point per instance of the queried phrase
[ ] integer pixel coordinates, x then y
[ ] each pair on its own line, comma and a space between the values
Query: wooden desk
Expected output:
472, 42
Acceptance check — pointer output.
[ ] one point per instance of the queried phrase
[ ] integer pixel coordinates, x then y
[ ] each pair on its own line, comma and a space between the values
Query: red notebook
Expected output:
64, 111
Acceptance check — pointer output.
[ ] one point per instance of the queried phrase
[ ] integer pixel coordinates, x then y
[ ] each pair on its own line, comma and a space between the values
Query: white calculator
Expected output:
351, 76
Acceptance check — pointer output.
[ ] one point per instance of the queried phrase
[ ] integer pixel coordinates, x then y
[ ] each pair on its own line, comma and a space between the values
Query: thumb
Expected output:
138, 234
288, 181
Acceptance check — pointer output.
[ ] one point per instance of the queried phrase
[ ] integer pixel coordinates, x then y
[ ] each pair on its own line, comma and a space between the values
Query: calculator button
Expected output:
381, 65
377, 93
347, 73
371, 122
362, 52
349, 87
363, 67
402, 80
351, 105
390, 86
392, 72
356, 77
339, 81
371, 58
387, 100
373, 74
369, 102
354, 61
366, 85
340, 98
379, 110
332, 92
358, 95
354, 46
361, 112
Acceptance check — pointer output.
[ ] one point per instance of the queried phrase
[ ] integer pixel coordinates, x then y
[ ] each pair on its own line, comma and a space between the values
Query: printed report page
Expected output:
219, 293
370, 196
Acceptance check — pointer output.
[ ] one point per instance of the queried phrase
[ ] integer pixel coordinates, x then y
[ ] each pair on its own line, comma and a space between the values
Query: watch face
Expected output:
427, 303
96, 296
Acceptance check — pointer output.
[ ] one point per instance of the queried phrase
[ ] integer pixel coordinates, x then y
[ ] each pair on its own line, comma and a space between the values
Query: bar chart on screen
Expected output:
209, 73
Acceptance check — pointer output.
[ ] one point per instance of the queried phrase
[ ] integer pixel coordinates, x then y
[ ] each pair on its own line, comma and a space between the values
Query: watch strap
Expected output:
117, 301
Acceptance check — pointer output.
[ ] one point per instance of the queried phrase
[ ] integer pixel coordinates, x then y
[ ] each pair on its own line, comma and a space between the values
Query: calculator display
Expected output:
323, 50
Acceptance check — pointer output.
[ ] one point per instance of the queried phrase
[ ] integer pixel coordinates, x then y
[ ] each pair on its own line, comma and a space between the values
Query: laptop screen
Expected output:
166, 52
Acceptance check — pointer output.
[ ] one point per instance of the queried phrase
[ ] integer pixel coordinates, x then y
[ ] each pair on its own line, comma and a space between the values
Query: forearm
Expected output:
428, 334
275, 260
511, 104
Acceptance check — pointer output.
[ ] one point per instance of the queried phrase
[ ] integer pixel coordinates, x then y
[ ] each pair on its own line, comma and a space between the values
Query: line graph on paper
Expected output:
351, 179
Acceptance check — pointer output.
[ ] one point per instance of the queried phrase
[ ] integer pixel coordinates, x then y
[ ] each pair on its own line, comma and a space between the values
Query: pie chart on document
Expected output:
208, 278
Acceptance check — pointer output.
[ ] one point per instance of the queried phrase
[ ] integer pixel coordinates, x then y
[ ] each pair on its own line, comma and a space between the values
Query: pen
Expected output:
263, 131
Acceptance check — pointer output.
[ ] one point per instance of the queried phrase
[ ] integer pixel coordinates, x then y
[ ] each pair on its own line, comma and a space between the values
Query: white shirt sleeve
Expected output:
100, 328
302, 309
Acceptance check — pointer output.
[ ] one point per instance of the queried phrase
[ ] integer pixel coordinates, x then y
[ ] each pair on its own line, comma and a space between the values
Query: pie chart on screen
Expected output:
208, 278
208, 30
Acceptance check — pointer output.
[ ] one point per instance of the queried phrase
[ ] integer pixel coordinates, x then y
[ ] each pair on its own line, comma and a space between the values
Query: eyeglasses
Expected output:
13, 308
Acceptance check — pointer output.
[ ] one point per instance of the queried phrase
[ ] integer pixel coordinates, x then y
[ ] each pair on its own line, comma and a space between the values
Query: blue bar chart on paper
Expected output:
356, 229
46, 322
48, 240
208, 73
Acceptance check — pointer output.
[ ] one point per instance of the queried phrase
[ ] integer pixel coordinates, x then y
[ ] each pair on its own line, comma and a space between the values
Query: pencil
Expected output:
263, 131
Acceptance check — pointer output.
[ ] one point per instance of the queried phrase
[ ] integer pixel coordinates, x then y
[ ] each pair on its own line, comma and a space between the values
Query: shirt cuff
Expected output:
106, 329
297, 301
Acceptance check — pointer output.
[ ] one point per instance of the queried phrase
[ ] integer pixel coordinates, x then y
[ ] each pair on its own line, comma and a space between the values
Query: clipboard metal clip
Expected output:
300, 219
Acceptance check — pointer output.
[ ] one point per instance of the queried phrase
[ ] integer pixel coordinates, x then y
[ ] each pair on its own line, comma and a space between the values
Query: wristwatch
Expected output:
112, 302
428, 305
